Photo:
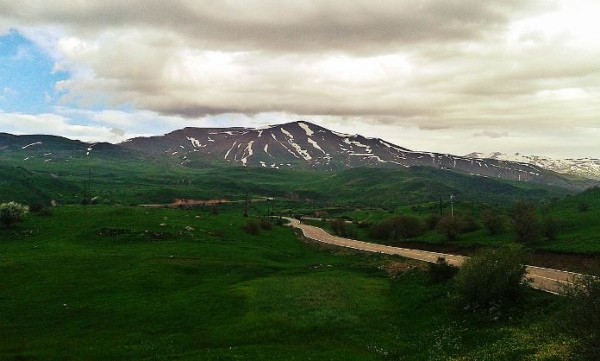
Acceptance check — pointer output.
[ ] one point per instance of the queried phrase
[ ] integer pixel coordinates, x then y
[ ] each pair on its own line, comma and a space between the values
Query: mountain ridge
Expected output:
295, 145
305, 145
587, 167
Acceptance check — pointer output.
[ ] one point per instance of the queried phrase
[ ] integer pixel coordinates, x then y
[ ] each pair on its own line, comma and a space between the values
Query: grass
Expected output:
576, 217
116, 282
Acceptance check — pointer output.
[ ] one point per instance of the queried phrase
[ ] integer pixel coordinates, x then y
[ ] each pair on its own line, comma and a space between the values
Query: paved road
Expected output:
546, 279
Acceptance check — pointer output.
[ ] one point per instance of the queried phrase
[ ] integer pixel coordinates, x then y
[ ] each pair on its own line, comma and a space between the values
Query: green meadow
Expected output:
109, 282
575, 219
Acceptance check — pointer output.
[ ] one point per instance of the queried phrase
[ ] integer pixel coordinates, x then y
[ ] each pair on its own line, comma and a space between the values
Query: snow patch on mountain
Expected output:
195, 142
307, 129
247, 153
233, 145
582, 167
30, 145
316, 145
302, 152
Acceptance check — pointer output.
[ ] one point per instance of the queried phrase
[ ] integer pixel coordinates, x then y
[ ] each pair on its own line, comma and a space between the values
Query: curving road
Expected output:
545, 279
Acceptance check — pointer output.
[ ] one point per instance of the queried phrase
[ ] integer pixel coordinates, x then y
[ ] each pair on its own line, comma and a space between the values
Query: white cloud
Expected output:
492, 72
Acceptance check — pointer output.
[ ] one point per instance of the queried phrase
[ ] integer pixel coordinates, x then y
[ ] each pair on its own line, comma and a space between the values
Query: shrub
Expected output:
441, 270
40, 209
468, 223
583, 321
493, 221
11, 213
550, 228
450, 227
265, 224
492, 277
251, 227
397, 228
524, 221
583, 206
341, 228
431, 221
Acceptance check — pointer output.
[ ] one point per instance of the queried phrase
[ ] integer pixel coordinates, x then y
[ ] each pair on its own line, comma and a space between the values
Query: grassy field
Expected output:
575, 216
139, 180
128, 283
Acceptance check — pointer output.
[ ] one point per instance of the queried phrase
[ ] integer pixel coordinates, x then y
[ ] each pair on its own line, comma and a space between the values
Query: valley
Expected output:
141, 250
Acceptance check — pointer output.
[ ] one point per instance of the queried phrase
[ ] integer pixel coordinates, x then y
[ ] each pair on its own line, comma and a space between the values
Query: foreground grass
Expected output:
101, 283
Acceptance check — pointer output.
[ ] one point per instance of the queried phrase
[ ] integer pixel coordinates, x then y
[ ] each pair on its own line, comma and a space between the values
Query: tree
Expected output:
492, 277
398, 228
550, 228
450, 227
524, 222
11, 213
584, 315
341, 228
493, 221
441, 270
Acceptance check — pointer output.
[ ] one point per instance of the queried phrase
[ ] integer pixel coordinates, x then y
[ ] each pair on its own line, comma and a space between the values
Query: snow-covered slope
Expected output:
309, 146
581, 167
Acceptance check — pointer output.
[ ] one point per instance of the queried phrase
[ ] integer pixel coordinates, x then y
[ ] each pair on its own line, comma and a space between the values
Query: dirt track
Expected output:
546, 279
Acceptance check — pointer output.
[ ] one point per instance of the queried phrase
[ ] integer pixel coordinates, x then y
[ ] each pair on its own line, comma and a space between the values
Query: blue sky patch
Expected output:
27, 81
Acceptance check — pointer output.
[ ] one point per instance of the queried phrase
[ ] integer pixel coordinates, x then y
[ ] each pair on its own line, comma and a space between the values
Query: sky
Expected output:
450, 76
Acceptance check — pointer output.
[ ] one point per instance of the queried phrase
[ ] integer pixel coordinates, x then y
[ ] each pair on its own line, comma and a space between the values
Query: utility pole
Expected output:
86, 189
452, 205
441, 207
89, 185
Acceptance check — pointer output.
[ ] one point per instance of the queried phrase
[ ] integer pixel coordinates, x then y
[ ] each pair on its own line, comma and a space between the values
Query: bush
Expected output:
40, 209
266, 224
524, 221
397, 228
431, 221
492, 277
493, 221
441, 271
550, 228
450, 227
11, 213
583, 321
583, 206
251, 227
341, 228
468, 223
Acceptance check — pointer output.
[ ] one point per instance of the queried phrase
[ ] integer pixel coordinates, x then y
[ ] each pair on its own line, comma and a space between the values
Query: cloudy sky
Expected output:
452, 76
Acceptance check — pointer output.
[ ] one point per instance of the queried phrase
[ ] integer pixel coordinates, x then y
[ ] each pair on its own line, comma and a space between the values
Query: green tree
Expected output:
550, 228
583, 321
342, 228
11, 213
492, 277
493, 221
398, 228
524, 222
441, 270
450, 227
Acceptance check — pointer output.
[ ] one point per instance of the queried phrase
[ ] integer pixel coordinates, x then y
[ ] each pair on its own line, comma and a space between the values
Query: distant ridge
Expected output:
581, 167
297, 145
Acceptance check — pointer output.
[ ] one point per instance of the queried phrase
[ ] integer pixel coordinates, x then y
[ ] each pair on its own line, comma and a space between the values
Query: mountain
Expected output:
50, 148
580, 167
298, 146
303, 145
